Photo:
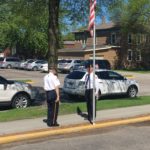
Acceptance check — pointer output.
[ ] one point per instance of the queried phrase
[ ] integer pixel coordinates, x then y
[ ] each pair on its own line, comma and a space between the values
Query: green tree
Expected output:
134, 18
38, 24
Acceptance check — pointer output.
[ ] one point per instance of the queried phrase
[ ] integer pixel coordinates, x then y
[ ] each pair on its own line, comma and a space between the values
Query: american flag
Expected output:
92, 16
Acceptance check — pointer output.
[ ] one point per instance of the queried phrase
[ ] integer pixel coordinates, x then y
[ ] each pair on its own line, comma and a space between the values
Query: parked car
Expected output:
14, 93
110, 83
99, 64
9, 62
67, 65
35, 65
23, 64
44, 67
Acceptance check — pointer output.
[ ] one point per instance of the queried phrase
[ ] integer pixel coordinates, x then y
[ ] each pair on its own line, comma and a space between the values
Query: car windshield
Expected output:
30, 61
61, 61
39, 61
76, 75
44, 62
68, 61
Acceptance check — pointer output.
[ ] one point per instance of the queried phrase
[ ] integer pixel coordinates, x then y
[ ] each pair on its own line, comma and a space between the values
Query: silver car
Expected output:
9, 62
67, 65
35, 65
14, 93
110, 83
23, 64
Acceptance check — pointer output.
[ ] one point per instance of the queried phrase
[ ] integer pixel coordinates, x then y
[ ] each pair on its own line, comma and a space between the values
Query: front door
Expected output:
118, 83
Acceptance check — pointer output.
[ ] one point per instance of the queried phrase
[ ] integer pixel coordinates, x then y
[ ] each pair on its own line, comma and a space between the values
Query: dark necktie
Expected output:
88, 80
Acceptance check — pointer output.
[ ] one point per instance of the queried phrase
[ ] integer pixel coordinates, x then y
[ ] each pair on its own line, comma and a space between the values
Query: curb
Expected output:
129, 76
30, 82
69, 129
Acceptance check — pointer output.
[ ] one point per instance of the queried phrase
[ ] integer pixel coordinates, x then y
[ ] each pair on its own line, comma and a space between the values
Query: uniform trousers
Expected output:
53, 107
89, 101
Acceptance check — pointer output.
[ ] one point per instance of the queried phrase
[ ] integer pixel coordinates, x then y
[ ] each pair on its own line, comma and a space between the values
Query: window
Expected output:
1, 58
102, 64
138, 39
30, 61
103, 75
113, 38
114, 76
76, 75
3, 80
68, 61
129, 55
129, 39
12, 59
138, 55
77, 61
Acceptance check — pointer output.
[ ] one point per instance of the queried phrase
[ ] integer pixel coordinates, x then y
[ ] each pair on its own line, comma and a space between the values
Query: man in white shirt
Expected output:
89, 91
51, 86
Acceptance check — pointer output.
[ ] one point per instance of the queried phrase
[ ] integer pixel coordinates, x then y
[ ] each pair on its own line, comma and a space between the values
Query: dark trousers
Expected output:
89, 101
53, 107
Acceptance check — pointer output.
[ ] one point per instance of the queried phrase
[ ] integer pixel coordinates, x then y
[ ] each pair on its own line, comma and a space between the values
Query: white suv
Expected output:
14, 93
110, 83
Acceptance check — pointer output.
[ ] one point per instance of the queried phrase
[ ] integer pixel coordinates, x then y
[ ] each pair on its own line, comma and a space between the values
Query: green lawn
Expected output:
68, 108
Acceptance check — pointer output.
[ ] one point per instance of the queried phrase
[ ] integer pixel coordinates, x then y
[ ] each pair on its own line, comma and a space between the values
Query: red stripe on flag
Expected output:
92, 16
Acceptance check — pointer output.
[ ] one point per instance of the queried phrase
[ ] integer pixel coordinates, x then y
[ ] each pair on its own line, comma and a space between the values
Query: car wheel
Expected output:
34, 68
132, 91
9, 67
20, 101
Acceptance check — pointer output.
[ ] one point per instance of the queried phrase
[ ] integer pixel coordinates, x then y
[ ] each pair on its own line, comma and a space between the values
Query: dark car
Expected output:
99, 64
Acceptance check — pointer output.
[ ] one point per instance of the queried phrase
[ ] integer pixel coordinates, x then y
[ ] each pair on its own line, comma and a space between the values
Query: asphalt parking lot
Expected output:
37, 79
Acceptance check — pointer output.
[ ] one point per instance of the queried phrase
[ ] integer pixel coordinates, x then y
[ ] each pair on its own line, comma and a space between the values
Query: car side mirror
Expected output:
124, 78
5, 86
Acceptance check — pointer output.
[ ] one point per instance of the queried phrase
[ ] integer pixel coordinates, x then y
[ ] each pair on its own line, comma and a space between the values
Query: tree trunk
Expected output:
53, 32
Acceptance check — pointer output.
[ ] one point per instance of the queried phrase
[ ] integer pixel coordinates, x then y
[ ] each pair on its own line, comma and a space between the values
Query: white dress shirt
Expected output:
51, 81
89, 82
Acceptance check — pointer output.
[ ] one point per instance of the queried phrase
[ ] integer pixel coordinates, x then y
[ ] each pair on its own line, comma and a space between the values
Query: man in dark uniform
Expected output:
89, 91
51, 86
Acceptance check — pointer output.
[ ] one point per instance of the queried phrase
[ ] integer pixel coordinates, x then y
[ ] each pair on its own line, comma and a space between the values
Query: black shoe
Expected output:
49, 125
53, 125
45, 120
56, 125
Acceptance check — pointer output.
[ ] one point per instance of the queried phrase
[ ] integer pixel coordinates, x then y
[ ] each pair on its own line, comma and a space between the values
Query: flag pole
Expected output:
94, 39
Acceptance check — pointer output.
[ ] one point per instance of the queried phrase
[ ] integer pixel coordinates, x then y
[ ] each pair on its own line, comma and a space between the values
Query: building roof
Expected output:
89, 48
106, 25
101, 26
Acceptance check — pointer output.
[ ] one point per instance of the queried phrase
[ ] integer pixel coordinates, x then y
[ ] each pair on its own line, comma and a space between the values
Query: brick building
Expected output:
108, 46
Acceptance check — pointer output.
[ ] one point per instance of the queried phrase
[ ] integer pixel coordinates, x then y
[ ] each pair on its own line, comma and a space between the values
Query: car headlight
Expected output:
81, 83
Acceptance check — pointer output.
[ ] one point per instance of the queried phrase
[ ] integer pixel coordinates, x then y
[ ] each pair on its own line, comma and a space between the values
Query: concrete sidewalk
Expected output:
72, 119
